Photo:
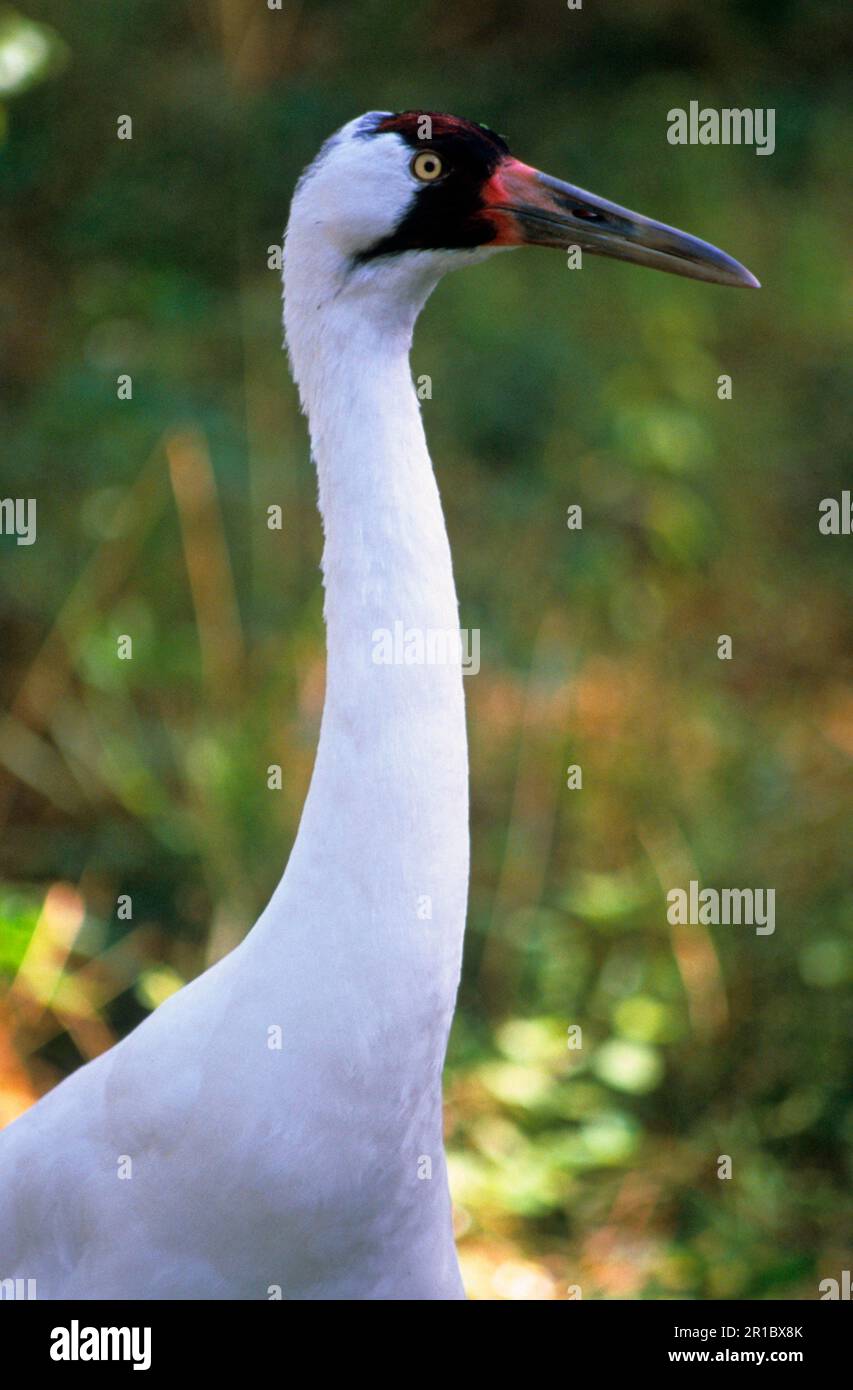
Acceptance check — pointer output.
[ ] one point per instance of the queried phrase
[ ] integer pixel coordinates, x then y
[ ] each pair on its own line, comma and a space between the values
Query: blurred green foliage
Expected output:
594, 1166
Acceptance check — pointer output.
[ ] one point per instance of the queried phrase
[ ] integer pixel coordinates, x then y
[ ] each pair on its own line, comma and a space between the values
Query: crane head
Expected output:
435, 189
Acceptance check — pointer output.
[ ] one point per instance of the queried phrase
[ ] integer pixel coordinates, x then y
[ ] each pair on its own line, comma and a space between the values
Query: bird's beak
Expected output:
534, 209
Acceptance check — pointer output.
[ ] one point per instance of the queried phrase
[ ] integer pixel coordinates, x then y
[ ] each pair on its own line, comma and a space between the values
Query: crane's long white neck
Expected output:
381, 859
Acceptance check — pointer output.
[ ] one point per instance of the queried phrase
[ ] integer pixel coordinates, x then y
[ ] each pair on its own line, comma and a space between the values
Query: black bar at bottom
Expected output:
156, 1338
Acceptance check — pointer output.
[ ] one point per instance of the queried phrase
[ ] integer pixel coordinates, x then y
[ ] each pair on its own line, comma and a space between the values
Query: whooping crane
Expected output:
318, 1167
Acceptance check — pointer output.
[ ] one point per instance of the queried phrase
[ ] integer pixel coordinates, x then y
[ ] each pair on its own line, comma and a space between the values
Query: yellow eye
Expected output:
427, 166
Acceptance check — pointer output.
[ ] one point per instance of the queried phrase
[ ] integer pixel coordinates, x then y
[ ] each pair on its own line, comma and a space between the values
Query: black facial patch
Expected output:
447, 215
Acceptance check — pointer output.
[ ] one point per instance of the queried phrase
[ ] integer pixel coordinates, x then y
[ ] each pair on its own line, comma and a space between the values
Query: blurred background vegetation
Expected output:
149, 257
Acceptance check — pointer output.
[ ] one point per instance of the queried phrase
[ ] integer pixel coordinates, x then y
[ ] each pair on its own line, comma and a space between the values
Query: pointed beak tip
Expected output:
745, 279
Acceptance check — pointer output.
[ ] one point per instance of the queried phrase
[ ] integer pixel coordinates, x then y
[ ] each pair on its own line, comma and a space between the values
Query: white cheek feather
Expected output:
357, 191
